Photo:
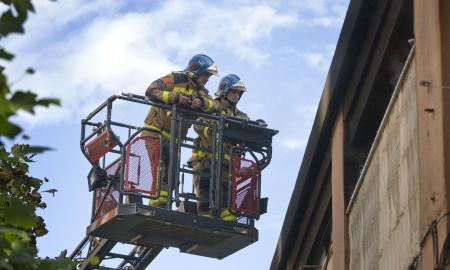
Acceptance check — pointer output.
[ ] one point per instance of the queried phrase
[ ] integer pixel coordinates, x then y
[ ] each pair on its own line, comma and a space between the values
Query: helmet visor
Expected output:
212, 69
240, 86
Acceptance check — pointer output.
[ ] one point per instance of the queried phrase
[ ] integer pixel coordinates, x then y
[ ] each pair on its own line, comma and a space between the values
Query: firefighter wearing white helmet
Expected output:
229, 92
186, 88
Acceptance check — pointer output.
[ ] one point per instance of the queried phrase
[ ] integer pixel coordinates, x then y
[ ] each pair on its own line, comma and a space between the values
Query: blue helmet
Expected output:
200, 63
231, 81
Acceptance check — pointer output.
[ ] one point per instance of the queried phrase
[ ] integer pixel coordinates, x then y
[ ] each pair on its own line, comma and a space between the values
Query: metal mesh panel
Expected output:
245, 196
142, 165
103, 206
108, 203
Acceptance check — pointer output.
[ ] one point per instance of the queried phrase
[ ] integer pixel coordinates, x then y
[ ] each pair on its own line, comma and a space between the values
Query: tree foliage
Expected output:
20, 194
12, 21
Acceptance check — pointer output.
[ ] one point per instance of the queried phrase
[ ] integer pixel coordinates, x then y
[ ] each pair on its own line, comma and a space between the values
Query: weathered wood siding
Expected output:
384, 215
328, 265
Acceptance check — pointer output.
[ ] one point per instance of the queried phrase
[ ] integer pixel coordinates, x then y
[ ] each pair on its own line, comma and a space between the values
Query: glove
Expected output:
197, 103
185, 101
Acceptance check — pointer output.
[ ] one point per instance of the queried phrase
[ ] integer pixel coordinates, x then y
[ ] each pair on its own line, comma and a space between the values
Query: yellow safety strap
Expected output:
182, 90
199, 153
204, 214
165, 134
165, 96
205, 132
162, 199
227, 215
210, 105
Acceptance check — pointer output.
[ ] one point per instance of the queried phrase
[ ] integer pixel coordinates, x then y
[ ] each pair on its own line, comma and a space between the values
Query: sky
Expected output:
85, 51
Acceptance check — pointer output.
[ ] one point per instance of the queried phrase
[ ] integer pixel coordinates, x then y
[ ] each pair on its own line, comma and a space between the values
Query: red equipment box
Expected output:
99, 146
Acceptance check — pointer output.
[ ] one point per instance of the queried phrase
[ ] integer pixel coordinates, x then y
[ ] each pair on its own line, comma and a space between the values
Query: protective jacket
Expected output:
201, 162
204, 140
168, 90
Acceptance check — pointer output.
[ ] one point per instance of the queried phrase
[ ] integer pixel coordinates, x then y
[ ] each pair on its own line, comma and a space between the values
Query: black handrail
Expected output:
220, 123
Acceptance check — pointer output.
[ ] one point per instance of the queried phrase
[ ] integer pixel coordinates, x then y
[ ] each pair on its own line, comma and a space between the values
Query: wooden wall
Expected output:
384, 222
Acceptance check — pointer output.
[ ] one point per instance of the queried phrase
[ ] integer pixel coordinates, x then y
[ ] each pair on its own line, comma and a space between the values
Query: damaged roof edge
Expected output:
328, 106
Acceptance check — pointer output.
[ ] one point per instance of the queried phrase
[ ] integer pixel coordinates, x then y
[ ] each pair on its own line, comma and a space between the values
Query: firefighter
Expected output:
229, 92
186, 88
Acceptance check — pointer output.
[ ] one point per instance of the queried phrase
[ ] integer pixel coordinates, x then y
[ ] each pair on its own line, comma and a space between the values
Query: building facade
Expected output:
373, 187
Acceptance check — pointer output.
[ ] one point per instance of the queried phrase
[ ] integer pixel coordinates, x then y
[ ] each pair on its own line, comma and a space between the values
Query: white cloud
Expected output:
314, 6
308, 110
319, 59
293, 143
90, 50
322, 13
236, 29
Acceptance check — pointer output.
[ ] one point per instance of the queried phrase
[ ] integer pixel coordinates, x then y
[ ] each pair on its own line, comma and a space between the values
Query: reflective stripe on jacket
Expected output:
167, 90
204, 138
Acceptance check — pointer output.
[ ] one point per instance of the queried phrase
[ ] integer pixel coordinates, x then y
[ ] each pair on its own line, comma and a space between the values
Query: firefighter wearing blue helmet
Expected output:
229, 92
200, 64
186, 88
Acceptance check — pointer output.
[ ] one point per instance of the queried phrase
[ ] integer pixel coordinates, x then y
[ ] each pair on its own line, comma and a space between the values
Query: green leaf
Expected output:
6, 107
24, 100
19, 192
6, 266
63, 254
22, 255
19, 214
94, 260
6, 55
40, 229
23, 5
51, 191
49, 101
13, 235
28, 100
24, 150
11, 24
37, 149
6, 2
25, 137
35, 182
8, 129
42, 205
29, 71
47, 265
4, 89
56, 264
3, 154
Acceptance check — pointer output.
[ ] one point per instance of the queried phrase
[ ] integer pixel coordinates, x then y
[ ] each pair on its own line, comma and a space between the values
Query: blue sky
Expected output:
85, 51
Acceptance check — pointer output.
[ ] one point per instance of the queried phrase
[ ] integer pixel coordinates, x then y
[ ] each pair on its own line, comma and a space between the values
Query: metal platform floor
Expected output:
151, 226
